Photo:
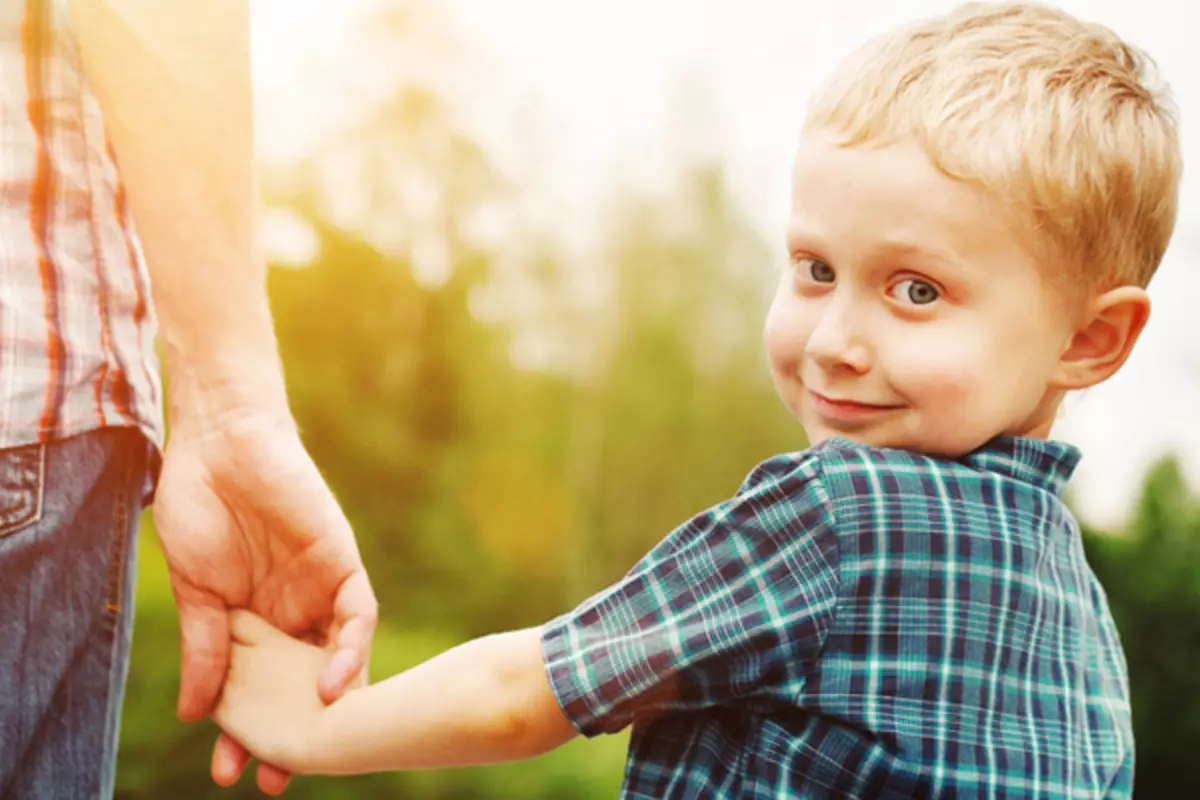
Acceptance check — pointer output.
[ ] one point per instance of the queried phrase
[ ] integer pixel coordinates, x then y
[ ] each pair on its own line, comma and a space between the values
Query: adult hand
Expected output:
247, 521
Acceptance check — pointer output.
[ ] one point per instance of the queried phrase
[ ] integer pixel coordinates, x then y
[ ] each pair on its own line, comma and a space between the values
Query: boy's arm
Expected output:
486, 701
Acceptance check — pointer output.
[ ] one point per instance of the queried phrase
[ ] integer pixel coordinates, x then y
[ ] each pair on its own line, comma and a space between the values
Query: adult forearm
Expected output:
174, 83
485, 702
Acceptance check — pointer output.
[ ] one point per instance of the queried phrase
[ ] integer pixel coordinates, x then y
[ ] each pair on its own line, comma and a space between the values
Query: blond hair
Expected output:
1058, 117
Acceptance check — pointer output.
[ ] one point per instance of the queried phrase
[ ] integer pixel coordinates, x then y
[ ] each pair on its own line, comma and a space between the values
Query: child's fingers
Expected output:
229, 759
246, 627
240, 687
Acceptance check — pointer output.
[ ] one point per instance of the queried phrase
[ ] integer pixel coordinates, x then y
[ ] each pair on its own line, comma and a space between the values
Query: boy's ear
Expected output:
1109, 330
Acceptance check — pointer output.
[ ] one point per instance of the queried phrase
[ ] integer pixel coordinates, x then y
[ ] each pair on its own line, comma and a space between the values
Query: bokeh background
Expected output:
521, 251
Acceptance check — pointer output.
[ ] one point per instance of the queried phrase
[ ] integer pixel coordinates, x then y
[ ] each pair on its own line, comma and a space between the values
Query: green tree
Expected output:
1151, 573
680, 407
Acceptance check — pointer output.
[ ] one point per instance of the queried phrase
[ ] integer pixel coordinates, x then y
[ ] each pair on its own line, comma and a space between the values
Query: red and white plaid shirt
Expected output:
76, 325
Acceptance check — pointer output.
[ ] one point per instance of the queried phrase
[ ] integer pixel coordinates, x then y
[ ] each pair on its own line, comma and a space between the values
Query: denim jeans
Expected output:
68, 519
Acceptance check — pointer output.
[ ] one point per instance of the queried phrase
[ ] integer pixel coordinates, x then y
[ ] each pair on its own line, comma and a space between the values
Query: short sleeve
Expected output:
732, 607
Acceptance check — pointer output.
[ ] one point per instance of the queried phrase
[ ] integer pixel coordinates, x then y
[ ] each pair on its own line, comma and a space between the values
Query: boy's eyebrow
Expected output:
907, 249
798, 238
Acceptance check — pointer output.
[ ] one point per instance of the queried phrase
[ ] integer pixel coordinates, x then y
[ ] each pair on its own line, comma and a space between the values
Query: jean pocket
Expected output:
22, 472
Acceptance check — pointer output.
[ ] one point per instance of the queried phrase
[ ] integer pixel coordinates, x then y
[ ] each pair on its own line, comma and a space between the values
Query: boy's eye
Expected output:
819, 271
916, 291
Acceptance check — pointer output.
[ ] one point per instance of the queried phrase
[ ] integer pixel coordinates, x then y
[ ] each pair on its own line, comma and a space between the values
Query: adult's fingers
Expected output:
204, 653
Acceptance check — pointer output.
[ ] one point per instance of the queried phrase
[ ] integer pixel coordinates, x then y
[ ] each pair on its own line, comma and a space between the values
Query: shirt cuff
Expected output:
573, 680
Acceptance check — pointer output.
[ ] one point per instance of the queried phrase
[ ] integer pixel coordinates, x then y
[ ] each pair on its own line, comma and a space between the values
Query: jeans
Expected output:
68, 519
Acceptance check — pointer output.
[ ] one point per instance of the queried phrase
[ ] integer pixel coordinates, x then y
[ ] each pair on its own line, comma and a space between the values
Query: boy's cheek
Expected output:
943, 381
784, 339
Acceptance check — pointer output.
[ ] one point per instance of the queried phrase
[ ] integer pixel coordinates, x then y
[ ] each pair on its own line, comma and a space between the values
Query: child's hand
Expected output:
270, 703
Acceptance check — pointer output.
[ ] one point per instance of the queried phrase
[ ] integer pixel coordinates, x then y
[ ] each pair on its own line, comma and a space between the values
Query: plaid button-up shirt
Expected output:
76, 326
865, 623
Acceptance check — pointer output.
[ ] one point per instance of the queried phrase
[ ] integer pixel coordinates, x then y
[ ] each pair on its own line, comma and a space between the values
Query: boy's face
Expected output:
910, 314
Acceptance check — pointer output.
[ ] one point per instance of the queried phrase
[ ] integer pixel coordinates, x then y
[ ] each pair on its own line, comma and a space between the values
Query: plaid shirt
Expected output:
76, 327
862, 623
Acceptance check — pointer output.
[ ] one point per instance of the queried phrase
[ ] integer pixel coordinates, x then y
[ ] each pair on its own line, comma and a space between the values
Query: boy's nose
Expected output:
837, 343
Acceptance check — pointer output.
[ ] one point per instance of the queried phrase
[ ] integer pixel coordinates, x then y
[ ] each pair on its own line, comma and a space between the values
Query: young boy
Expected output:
903, 610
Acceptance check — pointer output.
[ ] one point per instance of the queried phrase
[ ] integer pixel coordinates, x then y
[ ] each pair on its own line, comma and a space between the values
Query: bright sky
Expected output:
601, 74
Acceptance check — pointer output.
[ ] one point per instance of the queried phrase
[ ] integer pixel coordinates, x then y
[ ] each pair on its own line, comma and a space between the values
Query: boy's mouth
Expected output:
842, 410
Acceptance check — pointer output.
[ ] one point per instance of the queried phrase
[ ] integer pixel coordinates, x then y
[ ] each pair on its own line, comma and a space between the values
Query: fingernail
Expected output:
339, 672
345, 661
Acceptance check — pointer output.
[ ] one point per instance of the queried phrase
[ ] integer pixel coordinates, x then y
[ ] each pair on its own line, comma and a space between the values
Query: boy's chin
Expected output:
888, 440
818, 435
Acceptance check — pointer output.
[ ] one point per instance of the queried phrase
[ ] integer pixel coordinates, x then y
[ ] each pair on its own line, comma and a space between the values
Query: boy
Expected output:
904, 609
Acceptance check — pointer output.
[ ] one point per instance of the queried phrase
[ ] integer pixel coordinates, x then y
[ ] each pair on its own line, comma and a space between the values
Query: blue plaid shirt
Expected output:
858, 622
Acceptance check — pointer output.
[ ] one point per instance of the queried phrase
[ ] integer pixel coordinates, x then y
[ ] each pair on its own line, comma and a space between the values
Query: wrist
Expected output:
226, 398
216, 385
315, 749
228, 406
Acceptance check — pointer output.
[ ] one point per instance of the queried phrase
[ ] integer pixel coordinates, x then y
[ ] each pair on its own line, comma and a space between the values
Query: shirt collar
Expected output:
1047, 465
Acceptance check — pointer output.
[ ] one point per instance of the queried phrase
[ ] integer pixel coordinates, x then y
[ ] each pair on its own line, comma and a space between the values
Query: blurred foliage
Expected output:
489, 494
1152, 576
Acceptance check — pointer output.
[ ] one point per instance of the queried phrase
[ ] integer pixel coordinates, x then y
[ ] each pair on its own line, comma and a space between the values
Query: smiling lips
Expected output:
847, 410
